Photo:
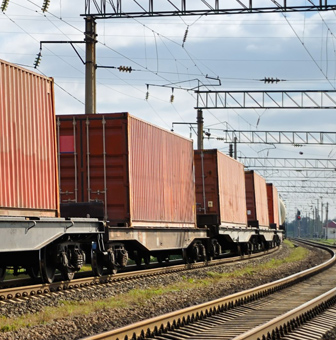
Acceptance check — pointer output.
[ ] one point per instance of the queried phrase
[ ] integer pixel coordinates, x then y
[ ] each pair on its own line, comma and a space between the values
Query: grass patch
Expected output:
296, 254
138, 297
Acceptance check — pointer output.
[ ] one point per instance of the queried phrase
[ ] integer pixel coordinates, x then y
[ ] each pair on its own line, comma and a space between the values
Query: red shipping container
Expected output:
28, 154
273, 205
141, 173
220, 189
256, 199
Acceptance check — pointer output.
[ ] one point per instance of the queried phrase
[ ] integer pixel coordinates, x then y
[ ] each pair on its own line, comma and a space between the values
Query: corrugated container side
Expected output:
28, 156
273, 205
207, 189
161, 176
145, 177
224, 186
93, 162
231, 190
256, 198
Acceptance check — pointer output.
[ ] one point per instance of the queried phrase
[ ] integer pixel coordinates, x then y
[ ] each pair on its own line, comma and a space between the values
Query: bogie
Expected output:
2, 273
116, 256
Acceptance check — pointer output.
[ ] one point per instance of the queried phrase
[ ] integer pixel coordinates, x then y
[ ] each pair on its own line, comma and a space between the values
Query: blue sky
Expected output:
240, 50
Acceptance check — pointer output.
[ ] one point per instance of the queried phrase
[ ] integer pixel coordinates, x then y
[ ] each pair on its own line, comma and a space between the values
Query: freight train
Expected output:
107, 188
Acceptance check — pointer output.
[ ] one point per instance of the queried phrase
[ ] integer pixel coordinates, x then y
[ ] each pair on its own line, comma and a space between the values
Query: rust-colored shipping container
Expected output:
256, 200
220, 189
142, 174
28, 154
273, 206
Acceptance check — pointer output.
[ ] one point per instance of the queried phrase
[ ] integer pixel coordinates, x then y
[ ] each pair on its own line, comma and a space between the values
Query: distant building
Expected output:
330, 230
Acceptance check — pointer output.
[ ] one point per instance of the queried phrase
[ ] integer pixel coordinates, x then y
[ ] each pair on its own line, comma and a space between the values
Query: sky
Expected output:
173, 56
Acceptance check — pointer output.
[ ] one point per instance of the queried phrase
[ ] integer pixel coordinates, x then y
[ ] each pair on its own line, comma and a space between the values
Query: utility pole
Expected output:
318, 218
200, 123
314, 221
321, 215
327, 210
90, 65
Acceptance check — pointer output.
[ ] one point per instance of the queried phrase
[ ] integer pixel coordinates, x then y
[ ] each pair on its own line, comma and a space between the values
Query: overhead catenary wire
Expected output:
311, 56
161, 71
56, 83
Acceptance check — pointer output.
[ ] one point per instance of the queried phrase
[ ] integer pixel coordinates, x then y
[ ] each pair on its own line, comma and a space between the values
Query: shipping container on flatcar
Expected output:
28, 150
256, 200
142, 174
273, 206
282, 213
142, 178
32, 235
220, 189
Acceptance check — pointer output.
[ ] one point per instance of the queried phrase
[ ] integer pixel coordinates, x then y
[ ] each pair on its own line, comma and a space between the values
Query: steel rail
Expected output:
175, 319
287, 322
40, 289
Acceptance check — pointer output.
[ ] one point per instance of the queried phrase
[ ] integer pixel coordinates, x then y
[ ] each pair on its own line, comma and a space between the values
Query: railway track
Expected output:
27, 291
270, 311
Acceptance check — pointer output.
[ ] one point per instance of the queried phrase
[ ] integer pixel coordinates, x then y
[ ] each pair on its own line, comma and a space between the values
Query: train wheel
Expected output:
215, 250
111, 265
137, 257
47, 268
202, 252
33, 272
159, 258
194, 253
2, 273
112, 270
249, 248
185, 256
67, 274
239, 250
146, 259
96, 264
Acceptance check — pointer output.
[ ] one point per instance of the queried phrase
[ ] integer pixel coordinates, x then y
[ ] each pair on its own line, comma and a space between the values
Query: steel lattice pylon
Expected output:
163, 8
295, 99
297, 138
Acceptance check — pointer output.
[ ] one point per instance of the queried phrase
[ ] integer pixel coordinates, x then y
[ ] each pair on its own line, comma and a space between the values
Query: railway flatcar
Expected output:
226, 197
33, 237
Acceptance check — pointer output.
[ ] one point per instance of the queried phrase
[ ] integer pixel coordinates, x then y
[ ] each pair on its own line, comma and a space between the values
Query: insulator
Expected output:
38, 60
230, 150
172, 96
125, 69
45, 6
4, 5
270, 80
147, 93
185, 36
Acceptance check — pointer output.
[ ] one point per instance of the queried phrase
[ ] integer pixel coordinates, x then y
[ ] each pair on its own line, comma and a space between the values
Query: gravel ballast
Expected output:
106, 318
